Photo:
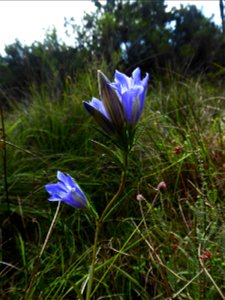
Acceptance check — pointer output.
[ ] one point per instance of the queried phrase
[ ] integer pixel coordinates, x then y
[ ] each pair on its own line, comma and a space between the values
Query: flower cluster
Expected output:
122, 101
117, 113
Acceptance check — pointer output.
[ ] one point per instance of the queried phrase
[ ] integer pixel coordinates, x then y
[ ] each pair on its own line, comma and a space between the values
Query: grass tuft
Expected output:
168, 245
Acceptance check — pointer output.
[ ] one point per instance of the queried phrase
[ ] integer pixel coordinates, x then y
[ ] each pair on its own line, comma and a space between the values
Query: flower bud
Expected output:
161, 186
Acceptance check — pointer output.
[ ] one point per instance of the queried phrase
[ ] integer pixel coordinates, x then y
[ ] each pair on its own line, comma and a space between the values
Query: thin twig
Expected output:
187, 284
208, 274
50, 230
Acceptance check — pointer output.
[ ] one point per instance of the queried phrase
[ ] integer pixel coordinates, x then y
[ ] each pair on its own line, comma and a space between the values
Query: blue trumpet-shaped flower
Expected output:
108, 113
132, 91
66, 190
122, 101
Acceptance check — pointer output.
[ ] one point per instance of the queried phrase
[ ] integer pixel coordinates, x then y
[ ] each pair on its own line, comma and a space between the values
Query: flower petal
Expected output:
55, 198
123, 80
100, 119
96, 103
54, 188
144, 83
62, 177
136, 75
111, 102
131, 104
66, 181
75, 199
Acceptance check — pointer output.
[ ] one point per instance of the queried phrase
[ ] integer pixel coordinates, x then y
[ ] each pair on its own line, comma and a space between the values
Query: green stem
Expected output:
100, 222
111, 202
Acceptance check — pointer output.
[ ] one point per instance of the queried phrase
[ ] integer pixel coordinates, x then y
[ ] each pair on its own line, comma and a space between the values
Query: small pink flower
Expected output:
139, 197
161, 186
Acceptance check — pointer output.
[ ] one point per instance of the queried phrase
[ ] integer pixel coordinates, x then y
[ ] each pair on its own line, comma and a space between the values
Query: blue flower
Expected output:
122, 101
66, 190
132, 91
108, 113
97, 109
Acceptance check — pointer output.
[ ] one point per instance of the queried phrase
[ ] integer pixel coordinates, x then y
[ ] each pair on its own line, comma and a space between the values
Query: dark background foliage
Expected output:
124, 34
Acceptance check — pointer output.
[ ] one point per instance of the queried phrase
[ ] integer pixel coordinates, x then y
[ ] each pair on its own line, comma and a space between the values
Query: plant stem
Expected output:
50, 229
100, 222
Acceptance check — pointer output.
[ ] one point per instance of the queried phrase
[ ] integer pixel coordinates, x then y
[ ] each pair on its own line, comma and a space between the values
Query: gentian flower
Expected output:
97, 110
122, 101
66, 190
108, 113
132, 91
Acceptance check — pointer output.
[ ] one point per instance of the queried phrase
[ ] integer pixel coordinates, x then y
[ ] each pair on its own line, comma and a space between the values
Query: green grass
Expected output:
148, 249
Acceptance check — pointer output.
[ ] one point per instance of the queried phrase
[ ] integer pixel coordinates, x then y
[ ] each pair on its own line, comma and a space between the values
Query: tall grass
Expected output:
169, 244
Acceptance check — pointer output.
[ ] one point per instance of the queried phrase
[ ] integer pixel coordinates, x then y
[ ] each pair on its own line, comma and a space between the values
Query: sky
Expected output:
28, 21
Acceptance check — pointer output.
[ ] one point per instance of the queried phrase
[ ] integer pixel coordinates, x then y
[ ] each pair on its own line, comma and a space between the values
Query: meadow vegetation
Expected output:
165, 244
